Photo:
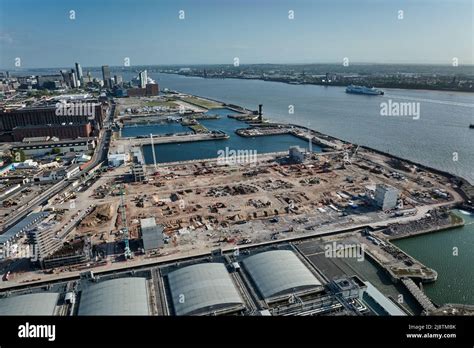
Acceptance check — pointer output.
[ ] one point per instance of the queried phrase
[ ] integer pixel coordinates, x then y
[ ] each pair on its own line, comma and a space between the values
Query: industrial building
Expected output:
121, 296
152, 234
42, 120
29, 304
9, 237
279, 273
43, 238
62, 131
201, 289
296, 154
138, 172
39, 148
273, 280
386, 196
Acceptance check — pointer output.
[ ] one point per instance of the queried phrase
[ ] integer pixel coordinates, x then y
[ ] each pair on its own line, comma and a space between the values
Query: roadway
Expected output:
100, 155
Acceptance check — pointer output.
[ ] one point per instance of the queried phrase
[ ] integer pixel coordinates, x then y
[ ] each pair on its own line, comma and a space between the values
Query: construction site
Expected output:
329, 205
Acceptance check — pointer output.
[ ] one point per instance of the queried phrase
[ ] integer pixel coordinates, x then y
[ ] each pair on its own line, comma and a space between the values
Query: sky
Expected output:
42, 34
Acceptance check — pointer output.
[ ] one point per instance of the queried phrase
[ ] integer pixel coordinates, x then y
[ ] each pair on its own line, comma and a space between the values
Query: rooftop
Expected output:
279, 272
202, 288
30, 304
121, 296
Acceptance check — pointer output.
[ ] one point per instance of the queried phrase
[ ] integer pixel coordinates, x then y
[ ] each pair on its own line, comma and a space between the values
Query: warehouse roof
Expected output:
31, 304
121, 296
202, 288
279, 272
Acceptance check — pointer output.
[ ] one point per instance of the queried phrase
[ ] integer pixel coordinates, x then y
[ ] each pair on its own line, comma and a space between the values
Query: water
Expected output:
210, 148
165, 128
455, 282
437, 139
441, 131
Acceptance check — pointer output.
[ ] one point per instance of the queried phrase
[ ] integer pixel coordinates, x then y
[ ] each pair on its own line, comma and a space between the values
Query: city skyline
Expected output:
216, 32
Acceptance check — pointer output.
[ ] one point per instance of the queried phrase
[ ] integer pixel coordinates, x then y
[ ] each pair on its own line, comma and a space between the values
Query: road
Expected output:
100, 155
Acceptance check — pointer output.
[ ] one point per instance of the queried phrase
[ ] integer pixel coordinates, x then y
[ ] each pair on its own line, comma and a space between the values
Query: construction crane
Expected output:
127, 251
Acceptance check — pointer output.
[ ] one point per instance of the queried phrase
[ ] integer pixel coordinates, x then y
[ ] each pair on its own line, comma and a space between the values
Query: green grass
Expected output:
207, 104
161, 103
198, 128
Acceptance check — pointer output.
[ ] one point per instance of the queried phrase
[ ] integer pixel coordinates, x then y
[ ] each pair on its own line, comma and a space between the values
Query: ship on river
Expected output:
363, 90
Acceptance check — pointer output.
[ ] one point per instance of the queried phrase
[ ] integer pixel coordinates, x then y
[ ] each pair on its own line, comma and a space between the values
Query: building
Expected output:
43, 303
62, 131
46, 117
70, 254
280, 273
138, 172
66, 77
203, 289
136, 92
49, 81
10, 236
74, 81
152, 89
118, 80
44, 241
152, 234
296, 154
116, 159
106, 75
386, 196
40, 148
36, 116
79, 74
143, 78
121, 296
379, 303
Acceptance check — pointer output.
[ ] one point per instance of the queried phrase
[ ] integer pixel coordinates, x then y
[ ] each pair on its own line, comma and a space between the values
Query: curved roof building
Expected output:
31, 304
121, 296
279, 272
202, 289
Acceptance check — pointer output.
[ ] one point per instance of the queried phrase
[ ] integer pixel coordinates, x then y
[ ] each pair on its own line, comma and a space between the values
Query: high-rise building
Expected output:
79, 75
73, 78
118, 79
106, 75
66, 77
143, 78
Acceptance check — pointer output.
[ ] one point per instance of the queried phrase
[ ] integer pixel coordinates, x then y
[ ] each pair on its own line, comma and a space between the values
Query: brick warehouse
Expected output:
43, 121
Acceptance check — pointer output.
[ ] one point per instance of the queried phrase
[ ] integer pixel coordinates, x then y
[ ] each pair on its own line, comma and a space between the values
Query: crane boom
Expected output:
127, 251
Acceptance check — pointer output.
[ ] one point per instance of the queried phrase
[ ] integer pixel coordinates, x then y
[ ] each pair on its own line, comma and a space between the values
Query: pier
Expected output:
419, 295
176, 138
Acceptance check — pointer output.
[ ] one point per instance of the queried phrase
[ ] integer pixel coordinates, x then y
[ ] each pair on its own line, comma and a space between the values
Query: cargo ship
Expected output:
363, 90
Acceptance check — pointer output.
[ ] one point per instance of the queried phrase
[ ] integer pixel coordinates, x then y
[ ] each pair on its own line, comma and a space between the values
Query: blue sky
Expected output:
215, 31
